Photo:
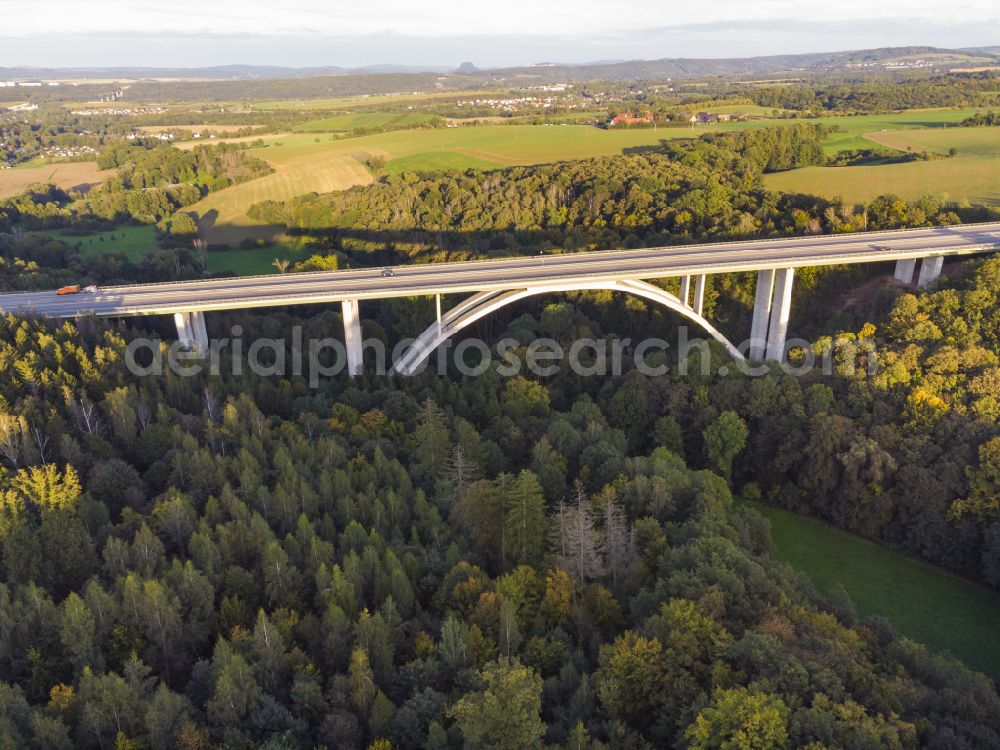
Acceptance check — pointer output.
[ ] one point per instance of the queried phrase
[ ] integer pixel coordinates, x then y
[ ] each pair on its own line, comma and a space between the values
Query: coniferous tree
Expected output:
431, 436
525, 522
617, 546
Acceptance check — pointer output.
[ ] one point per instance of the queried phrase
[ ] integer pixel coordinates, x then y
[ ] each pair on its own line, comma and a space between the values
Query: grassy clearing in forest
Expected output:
924, 603
133, 241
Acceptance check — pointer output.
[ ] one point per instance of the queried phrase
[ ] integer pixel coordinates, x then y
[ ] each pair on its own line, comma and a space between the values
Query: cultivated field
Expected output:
976, 141
349, 122
437, 161
81, 175
973, 174
972, 178
307, 163
854, 131
299, 168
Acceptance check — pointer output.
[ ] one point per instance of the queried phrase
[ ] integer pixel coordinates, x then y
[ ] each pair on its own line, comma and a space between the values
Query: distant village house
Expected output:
627, 118
706, 118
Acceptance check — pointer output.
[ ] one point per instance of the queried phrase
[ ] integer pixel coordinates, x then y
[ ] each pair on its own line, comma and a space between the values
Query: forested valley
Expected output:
199, 562
431, 562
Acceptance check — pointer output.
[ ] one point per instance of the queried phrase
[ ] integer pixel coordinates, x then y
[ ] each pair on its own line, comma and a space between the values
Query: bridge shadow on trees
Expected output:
363, 246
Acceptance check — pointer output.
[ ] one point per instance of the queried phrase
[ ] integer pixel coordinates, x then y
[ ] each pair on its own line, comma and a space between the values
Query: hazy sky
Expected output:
446, 32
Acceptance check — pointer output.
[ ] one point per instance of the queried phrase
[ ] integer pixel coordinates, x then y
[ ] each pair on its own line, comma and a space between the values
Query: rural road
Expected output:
509, 273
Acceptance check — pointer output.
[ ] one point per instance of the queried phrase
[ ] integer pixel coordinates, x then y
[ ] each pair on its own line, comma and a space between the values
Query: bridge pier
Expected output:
930, 271
352, 336
699, 294
771, 311
685, 294
200, 331
191, 331
781, 308
761, 314
184, 333
904, 271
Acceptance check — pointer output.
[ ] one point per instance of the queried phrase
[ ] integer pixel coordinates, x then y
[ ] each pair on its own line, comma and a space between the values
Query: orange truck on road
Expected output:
75, 289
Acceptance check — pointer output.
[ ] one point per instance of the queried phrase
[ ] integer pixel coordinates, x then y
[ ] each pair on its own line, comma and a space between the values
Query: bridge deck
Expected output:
559, 271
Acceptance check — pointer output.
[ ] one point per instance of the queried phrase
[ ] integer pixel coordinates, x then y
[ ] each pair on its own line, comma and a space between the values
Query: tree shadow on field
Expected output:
650, 148
208, 219
83, 188
216, 234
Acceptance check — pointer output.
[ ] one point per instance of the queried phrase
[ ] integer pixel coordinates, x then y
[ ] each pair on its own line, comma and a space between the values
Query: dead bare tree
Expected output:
460, 471
86, 416
143, 414
41, 442
309, 423
211, 405
577, 539
617, 544
260, 422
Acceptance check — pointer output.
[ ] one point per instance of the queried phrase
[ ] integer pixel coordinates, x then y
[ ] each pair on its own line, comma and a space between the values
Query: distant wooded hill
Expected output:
470, 75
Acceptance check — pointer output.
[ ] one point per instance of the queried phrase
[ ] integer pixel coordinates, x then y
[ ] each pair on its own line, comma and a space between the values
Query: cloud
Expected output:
449, 18
314, 47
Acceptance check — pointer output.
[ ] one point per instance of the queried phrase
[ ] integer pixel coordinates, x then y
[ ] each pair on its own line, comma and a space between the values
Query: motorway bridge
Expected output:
498, 282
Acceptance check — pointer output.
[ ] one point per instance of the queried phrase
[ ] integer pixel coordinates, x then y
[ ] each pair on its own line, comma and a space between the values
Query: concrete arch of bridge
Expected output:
482, 304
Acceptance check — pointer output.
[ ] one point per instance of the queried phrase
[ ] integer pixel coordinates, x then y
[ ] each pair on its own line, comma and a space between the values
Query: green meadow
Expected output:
972, 178
972, 174
349, 122
852, 130
924, 603
970, 141
256, 261
133, 241
437, 161
137, 241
